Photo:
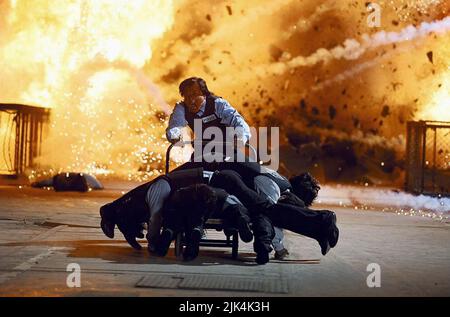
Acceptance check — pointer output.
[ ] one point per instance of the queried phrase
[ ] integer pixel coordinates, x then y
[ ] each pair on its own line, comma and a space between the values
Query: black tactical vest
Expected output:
183, 178
209, 117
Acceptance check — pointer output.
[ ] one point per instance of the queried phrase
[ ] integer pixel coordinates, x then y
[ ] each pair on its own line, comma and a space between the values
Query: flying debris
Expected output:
385, 112
332, 112
430, 56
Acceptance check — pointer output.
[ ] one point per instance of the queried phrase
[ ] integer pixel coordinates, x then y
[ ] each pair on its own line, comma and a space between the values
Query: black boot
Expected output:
163, 243
330, 235
262, 257
193, 245
239, 216
152, 245
107, 212
324, 245
333, 232
244, 230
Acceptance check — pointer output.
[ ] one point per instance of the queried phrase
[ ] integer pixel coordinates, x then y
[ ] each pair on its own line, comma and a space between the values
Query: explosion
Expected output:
84, 59
439, 105
340, 90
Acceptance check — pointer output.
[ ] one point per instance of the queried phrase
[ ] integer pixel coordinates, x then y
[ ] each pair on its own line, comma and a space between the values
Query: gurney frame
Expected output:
231, 234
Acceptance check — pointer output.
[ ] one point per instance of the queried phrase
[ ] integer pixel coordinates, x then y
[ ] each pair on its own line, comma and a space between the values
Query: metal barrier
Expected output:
21, 134
428, 157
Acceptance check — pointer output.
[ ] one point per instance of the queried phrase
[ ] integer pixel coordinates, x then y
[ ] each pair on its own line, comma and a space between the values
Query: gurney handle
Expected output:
248, 145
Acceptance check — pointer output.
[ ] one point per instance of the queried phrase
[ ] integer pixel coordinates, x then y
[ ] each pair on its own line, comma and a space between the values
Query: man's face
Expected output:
193, 98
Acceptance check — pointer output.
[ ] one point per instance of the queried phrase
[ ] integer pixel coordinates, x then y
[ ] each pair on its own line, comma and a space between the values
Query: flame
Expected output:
81, 58
107, 67
439, 107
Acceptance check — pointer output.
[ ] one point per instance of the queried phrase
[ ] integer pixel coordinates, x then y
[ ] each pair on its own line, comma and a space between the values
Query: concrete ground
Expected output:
42, 232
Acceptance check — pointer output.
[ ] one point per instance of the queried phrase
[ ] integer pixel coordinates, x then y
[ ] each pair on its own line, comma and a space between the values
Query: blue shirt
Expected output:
228, 115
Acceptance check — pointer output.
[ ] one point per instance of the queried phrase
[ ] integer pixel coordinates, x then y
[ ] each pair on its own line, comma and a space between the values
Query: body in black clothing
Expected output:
289, 213
189, 208
131, 210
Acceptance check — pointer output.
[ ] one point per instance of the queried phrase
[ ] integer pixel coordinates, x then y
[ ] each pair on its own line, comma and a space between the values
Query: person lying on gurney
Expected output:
188, 209
143, 205
268, 183
290, 213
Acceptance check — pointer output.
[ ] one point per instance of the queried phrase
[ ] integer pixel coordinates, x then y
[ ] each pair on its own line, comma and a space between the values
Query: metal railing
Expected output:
428, 157
21, 134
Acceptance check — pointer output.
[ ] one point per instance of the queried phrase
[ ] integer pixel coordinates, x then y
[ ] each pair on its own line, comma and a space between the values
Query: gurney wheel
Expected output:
235, 249
179, 245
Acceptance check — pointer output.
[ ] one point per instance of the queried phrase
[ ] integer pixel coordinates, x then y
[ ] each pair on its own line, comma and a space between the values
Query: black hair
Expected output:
201, 196
306, 187
192, 80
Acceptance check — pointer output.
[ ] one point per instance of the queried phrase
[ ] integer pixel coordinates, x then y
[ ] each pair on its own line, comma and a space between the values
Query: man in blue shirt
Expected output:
200, 110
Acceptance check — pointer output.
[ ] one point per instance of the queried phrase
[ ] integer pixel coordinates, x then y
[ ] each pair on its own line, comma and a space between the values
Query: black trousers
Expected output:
310, 223
231, 214
301, 220
257, 206
181, 215
179, 219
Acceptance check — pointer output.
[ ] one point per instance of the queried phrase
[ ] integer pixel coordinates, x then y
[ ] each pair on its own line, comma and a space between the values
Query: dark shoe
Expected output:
324, 245
333, 235
107, 224
107, 228
282, 254
262, 257
193, 246
131, 239
244, 230
152, 244
330, 236
335, 238
151, 247
163, 242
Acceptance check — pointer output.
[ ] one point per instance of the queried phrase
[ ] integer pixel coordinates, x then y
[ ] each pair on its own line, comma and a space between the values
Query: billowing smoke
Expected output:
352, 49
340, 89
